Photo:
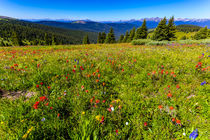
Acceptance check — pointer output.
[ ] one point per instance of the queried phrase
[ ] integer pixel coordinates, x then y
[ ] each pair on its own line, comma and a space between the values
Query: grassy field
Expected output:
116, 91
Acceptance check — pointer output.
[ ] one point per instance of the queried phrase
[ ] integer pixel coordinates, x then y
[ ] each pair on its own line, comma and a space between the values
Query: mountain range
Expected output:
120, 27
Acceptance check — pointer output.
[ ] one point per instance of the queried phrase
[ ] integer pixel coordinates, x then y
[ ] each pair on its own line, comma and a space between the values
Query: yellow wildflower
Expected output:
98, 117
83, 113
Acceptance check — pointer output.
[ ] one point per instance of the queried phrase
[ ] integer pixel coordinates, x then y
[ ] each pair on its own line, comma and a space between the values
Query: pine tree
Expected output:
103, 37
99, 40
86, 40
201, 34
110, 37
125, 39
171, 29
15, 39
121, 38
53, 40
141, 32
161, 32
131, 34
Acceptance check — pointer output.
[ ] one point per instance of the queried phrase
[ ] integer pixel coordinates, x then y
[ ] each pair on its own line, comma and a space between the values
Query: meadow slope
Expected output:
116, 91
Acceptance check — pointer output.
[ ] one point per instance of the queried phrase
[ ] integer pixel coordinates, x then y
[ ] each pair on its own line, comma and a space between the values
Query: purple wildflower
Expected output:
194, 134
203, 83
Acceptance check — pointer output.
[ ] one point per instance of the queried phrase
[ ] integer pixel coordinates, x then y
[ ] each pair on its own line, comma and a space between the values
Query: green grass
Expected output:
130, 85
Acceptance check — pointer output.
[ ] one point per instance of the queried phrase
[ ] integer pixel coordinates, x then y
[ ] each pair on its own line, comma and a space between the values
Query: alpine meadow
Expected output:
94, 77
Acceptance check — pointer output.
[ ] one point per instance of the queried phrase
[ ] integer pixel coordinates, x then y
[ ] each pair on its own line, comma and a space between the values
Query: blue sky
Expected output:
101, 10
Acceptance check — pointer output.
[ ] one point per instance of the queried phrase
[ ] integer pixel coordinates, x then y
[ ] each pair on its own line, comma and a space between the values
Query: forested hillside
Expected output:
15, 33
188, 28
90, 26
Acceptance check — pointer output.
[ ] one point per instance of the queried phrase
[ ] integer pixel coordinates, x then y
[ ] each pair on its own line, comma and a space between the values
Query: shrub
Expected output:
157, 43
140, 41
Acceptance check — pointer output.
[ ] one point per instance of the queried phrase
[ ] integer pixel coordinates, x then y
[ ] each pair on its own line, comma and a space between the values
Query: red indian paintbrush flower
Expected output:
160, 107
171, 107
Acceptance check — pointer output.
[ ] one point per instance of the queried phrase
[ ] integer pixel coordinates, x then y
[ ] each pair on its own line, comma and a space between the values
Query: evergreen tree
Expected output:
125, 39
161, 32
99, 40
201, 34
141, 32
103, 37
121, 38
86, 40
53, 40
16, 40
46, 39
131, 34
171, 29
110, 37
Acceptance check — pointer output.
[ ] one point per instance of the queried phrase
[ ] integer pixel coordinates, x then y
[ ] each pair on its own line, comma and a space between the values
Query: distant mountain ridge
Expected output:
120, 27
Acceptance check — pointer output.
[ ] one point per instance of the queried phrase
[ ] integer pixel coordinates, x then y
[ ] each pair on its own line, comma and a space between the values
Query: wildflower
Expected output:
104, 84
145, 124
169, 86
97, 101
43, 98
203, 83
194, 134
74, 66
160, 107
38, 65
162, 71
82, 87
102, 119
35, 106
112, 108
126, 123
43, 119
173, 119
99, 75
98, 117
116, 131
171, 107
46, 104
48, 87
86, 91
74, 70
41, 83
177, 86
122, 70
58, 115
97, 80
83, 113
169, 95
153, 73
148, 74
51, 107
166, 72
104, 101
109, 109
91, 100
178, 121
37, 86
184, 134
